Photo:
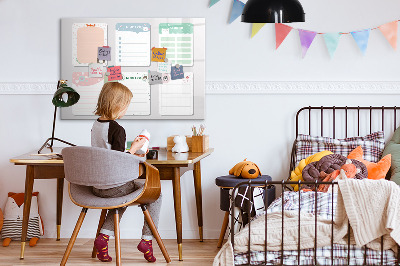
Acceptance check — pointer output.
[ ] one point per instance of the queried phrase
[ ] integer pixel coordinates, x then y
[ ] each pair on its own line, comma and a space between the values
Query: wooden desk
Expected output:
171, 167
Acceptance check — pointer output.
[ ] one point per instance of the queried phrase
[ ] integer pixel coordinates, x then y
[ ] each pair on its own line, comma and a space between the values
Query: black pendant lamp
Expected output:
273, 11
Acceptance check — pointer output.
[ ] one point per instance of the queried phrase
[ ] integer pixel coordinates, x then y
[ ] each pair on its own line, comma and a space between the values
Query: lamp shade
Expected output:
58, 99
273, 11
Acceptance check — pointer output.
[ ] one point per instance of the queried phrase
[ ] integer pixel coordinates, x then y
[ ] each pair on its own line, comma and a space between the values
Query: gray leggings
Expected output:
154, 208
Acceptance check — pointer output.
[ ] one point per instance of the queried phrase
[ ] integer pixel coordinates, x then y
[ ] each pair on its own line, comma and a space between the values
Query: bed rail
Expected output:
265, 185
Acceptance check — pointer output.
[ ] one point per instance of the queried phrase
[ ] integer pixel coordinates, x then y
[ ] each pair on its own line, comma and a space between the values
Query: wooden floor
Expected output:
50, 252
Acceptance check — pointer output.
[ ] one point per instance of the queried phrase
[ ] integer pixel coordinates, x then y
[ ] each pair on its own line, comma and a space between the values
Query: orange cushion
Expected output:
375, 170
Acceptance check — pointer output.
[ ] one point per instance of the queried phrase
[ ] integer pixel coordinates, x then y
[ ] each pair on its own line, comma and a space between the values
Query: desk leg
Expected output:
199, 204
60, 190
176, 182
27, 206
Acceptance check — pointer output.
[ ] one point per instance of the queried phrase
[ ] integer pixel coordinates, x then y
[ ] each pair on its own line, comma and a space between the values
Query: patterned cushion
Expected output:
372, 144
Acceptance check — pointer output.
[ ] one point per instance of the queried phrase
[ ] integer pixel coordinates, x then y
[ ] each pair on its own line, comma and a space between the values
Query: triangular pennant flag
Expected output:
281, 31
332, 41
361, 37
306, 39
256, 28
237, 9
389, 30
213, 2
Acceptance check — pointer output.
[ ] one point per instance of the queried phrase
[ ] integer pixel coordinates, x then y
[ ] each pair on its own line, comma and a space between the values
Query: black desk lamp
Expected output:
273, 11
58, 101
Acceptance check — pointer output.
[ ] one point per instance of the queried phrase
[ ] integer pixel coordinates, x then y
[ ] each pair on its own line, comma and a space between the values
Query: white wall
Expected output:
259, 127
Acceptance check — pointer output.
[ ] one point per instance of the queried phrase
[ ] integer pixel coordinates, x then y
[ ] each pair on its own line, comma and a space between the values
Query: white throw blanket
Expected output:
373, 208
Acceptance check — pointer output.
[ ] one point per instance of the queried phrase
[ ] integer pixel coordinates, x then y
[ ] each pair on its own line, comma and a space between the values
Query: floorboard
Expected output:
50, 252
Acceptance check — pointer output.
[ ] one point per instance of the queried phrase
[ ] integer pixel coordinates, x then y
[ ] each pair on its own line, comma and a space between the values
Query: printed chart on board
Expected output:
161, 60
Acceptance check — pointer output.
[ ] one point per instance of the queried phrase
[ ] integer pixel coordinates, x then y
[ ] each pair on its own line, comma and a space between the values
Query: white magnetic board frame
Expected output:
198, 68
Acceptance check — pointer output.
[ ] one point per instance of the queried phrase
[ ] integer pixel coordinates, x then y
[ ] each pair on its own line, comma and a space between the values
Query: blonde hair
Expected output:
113, 98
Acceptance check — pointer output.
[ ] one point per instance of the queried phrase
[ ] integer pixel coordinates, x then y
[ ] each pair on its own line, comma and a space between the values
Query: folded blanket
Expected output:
373, 209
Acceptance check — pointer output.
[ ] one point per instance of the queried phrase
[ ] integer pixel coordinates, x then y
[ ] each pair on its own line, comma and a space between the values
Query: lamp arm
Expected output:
54, 126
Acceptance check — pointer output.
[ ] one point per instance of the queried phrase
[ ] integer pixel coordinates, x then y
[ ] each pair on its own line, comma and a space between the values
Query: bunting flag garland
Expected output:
281, 31
389, 30
306, 39
361, 37
332, 41
213, 2
237, 9
256, 28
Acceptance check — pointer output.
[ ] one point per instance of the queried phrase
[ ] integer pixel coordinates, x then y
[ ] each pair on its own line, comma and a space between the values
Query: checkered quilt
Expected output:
323, 205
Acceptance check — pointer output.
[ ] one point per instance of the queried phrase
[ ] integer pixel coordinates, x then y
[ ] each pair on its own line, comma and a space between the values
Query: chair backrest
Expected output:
92, 166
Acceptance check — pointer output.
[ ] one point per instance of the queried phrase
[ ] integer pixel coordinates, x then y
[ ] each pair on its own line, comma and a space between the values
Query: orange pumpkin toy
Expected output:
245, 169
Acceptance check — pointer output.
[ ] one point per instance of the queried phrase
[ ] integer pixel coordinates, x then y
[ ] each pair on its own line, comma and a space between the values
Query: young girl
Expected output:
112, 104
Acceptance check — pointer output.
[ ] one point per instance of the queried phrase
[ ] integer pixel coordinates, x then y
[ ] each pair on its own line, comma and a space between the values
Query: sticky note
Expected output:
155, 77
158, 54
166, 78
164, 67
104, 53
177, 72
115, 73
95, 70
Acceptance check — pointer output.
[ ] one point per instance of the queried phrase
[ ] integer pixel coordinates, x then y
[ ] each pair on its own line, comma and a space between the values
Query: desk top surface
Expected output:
164, 157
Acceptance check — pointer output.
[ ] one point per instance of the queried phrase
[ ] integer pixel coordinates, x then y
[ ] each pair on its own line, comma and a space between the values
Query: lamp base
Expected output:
50, 146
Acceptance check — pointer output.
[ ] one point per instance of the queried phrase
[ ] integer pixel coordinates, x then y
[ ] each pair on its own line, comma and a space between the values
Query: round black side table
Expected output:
228, 182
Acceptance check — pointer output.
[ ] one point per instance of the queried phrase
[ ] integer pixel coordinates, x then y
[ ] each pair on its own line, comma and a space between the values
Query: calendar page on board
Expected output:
161, 60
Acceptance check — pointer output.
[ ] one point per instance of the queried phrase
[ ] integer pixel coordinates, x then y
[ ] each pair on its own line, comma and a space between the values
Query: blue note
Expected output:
177, 73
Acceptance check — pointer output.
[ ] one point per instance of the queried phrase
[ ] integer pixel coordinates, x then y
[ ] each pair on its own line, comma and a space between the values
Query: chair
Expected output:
85, 167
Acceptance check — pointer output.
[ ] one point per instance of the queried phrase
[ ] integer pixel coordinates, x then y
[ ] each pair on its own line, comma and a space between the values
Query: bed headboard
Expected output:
344, 121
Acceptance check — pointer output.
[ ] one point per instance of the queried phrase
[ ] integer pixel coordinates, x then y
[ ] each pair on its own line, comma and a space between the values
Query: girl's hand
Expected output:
143, 155
137, 144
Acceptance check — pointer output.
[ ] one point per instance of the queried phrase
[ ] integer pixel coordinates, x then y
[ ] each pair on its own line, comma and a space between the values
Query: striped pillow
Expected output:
372, 145
13, 228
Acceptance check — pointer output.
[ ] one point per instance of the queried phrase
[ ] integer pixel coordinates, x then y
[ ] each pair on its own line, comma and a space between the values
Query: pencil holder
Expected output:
200, 143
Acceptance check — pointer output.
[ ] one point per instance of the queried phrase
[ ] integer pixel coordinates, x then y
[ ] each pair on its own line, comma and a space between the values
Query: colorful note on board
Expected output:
166, 78
177, 72
179, 39
155, 77
86, 38
164, 67
95, 70
115, 73
158, 54
104, 53
132, 44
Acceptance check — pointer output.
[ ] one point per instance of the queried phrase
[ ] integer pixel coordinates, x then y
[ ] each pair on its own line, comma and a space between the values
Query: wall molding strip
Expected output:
251, 87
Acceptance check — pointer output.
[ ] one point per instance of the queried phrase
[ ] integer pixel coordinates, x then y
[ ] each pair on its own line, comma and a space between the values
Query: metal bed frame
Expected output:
284, 183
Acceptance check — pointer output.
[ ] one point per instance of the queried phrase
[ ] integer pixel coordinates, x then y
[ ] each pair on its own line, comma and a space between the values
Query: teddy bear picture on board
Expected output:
245, 169
13, 215
180, 144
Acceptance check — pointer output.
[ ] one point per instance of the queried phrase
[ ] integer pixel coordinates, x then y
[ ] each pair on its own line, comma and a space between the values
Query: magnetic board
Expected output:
132, 51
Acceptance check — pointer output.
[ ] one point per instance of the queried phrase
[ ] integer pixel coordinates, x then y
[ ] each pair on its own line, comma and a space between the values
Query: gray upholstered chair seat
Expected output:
83, 195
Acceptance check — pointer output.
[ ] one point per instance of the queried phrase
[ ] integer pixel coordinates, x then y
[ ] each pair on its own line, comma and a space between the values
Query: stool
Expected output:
226, 183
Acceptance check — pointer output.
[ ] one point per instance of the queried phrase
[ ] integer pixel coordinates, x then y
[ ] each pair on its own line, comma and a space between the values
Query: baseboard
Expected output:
247, 87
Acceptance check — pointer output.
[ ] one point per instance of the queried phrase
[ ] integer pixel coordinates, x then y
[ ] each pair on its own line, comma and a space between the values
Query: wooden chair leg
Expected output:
117, 238
223, 229
73, 237
154, 230
101, 222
